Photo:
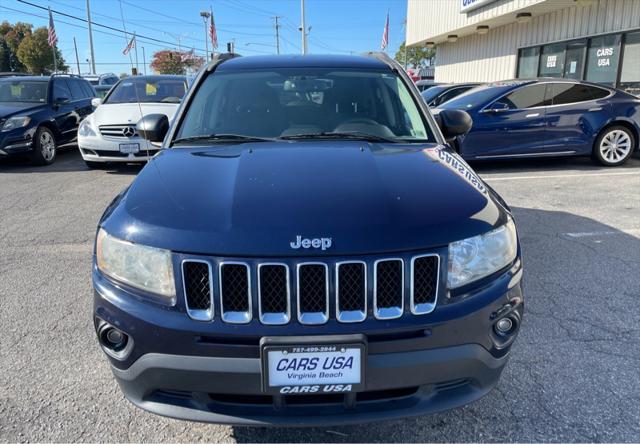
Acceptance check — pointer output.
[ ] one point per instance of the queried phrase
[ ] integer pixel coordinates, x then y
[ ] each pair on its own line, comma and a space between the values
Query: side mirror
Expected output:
153, 127
96, 101
453, 123
61, 100
497, 107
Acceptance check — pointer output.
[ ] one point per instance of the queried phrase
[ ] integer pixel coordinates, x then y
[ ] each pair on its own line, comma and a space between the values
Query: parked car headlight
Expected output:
16, 122
143, 267
479, 256
85, 129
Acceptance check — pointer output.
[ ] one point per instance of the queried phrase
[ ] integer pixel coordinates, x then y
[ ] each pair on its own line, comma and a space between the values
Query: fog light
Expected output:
504, 325
115, 337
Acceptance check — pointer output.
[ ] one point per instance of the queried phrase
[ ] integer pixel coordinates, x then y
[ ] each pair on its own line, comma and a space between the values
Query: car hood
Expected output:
123, 113
254, 199
7, 109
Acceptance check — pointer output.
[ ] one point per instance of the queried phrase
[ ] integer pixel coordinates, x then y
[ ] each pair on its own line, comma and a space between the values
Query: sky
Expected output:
337, 26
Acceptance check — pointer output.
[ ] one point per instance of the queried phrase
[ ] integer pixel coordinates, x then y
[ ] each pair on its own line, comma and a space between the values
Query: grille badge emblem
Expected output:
319, 242
128, 131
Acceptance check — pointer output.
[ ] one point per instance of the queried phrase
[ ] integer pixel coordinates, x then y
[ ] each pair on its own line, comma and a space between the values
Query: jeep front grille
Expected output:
351, 291
235, 292
273, 293
198, 289
388, 292
312, 292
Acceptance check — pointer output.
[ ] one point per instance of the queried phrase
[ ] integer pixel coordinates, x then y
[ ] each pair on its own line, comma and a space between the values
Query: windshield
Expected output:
29, 91
475, 97
148, 90
303, 102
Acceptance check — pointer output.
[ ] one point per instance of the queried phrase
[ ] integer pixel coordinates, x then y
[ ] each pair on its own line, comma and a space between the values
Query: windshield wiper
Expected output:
355, 135
221, 138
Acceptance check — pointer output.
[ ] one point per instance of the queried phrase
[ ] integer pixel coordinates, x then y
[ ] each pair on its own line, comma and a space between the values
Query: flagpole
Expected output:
135, 46
213, 49
53, 46
144, 60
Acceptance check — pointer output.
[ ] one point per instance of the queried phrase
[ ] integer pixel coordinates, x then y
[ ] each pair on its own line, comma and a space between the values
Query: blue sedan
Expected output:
549, 117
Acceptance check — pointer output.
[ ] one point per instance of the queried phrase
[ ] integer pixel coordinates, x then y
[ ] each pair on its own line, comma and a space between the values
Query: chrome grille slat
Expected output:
235, 292
351, 291
197, 285
274, 295
117, 130
425, 277
388, 288
312, 293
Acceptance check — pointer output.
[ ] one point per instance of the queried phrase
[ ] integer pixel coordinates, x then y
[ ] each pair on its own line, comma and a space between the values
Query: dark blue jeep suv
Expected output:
305, 250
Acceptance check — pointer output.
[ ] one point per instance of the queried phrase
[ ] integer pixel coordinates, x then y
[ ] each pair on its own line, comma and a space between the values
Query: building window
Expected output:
528, 62
552, 60
630, 74
574, 59
602, 59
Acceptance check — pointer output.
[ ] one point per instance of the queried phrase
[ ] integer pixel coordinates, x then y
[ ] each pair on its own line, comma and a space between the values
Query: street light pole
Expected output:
276, 18
205, 18
93, 59
303, 28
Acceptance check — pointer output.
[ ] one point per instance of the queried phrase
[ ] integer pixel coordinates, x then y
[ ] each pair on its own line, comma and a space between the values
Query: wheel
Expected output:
96, 165
44, 147
614, 146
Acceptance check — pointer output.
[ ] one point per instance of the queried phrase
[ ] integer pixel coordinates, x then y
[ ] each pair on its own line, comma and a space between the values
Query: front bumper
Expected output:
107, 149
16, 141
211, 372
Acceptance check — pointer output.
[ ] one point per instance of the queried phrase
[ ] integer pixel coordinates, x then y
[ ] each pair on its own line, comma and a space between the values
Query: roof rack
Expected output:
219, 58
64, 74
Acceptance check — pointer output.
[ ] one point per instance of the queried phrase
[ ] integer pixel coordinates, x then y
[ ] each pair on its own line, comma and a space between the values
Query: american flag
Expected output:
130, 46
385, 34
212, 33
53, 38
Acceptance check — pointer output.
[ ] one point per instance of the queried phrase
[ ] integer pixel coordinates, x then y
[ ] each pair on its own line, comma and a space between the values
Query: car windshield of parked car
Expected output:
474, 98
304, 103
429, 94
28, 91
148, 90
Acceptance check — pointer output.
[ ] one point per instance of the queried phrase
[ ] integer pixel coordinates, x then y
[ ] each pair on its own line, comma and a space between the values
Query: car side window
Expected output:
598, 93
77, 93
60, 89
564, 93
529, 96
88, 90
451, 94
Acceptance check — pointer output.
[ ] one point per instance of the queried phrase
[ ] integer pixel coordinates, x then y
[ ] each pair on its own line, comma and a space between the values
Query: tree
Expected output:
10, 38
36, 55
417, 56
174, 62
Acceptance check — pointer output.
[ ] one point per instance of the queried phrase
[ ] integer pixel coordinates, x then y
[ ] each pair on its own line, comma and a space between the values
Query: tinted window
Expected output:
525, 97
281, 102
77, 92
431, 93
454, 92
570, 93
528, 62
60, 89
598, 93
474, 98
109, 81
148, 90
602, 59
23, 91
88, 90
552, 60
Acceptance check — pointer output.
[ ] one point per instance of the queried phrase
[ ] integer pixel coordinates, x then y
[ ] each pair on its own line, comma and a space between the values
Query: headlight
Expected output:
85, 129
143, 267
479, 256
16, 122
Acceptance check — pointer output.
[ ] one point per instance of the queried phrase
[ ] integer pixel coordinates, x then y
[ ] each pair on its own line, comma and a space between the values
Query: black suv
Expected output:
37, 114
306, 249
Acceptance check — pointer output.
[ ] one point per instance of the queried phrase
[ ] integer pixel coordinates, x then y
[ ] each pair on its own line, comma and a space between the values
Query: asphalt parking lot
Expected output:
574, 373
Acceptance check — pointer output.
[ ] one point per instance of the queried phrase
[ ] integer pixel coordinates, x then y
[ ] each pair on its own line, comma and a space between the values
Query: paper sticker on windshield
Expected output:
151, 90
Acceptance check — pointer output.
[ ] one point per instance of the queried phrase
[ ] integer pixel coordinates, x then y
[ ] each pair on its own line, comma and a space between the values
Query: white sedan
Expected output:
109, 134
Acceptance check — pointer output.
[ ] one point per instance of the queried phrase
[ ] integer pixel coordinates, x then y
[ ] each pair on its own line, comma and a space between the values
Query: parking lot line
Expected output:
559, 176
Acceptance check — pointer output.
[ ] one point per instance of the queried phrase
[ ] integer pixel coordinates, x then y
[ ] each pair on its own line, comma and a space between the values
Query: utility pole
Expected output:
276, 18
135, 46
303, 28
76, 48
93, 59
144, 60
205, 18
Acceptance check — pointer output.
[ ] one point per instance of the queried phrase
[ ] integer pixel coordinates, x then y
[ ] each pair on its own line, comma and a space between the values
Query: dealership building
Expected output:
488, 40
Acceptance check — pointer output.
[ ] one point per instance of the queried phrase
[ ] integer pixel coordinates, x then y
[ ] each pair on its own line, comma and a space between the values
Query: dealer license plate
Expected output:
308, 369
129, 148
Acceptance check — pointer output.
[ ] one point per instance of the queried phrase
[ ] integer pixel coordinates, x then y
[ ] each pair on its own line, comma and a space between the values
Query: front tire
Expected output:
44, 147
614, 146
